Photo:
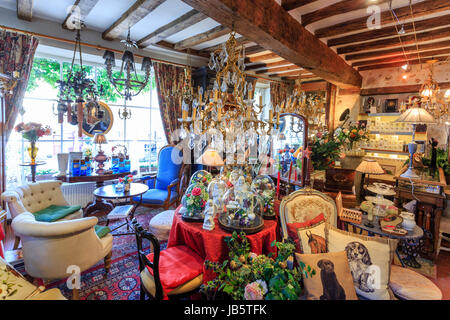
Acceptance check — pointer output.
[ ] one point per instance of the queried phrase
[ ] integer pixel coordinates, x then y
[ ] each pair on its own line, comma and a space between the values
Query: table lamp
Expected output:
368, 166
211, 158
100, 158
415, 116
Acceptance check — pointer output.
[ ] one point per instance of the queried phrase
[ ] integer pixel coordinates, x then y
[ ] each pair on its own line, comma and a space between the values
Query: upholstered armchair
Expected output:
50, 248
305, 205
44, 199
165, 187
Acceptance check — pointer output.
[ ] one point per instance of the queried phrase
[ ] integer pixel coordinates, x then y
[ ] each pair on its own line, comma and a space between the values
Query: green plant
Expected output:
45, 171
352, 134
249, 276
441, 160
325, 151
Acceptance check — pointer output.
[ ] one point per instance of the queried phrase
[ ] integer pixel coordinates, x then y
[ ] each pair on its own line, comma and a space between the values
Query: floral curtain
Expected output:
16, 54
278, 92
169, 84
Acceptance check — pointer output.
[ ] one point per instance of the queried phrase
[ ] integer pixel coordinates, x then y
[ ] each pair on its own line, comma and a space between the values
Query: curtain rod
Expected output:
40, 35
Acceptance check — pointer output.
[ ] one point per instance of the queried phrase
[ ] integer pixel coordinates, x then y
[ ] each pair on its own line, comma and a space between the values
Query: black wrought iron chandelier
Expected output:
77, 87
127, 83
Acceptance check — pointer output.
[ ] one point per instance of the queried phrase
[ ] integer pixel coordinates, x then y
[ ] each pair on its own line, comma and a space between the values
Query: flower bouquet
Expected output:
265, 188
349, 136
247, 275
194, 201
126, 182
325, 151
32, 131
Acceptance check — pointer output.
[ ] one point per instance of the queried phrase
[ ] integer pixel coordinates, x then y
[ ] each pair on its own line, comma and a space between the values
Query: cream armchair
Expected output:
50, 248
34, 197
304, 205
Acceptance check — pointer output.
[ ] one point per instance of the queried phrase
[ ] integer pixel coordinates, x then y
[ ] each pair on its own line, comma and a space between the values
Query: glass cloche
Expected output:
201, 176
193, 202
242, 211
216, 190
264, 187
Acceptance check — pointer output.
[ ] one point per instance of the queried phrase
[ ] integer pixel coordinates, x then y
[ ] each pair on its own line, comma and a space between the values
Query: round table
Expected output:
33, 168
210, 245
109, 193
410, 242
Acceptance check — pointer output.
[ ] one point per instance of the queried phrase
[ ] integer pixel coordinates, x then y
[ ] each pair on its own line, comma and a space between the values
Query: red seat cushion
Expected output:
177, 265
292, 229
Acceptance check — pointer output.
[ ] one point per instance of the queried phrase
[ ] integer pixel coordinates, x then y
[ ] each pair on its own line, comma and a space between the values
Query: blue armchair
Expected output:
165, 188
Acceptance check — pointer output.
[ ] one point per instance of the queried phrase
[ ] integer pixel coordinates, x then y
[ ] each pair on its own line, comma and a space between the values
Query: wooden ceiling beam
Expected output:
421, 25
289, 5
292, 73
397, 51
79, 10
239, 41
211, 34
183, 22
398, 64
25, 9
269, 65
170, 46
419, 9
424, 54
414, 88
268, 24
133, 15
263, 57
393, 42
275, 70
336, 9
254, 49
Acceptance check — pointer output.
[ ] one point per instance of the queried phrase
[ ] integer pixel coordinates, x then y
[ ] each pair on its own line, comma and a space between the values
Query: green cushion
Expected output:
55, 213
102, 231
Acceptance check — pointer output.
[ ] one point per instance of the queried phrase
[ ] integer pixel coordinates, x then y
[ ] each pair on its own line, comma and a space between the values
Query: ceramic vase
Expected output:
63, 160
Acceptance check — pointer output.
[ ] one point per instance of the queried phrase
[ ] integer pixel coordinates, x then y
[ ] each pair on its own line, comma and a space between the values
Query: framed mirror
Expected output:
97, 117
289, 144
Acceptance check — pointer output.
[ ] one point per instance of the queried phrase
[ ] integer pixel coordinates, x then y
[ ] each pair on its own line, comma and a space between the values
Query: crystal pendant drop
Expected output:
224, 87
211, 63
216, 85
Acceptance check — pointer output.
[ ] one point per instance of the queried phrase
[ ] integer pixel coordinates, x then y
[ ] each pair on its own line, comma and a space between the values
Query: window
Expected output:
137, 134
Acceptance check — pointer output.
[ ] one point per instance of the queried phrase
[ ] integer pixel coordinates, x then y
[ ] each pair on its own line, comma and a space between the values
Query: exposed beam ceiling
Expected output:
335, 9
294, 4
183, 22
291, 73
254, 50
419, 9
84, 7
398, 64
170, 46
268, 56
393, 42
268, 24
211, 34
133, 15
398, 51
423, 55
391, 31
280, 69
239, 41
25, 9
268, 65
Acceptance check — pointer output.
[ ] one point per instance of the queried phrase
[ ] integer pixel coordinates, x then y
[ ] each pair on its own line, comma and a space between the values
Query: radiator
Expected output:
78, 193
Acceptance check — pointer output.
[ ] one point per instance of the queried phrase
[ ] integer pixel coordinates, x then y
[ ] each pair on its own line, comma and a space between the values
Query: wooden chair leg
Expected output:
108, 262
75, 291
16, 243
142, 294
439, 244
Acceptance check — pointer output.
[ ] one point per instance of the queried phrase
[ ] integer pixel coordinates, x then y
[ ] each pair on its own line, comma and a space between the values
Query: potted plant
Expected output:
325, 151
32, 131
249, 276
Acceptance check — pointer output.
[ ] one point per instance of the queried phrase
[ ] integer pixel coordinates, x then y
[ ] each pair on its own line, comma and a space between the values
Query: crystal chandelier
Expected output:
229, 107
433, 100
127, 82
77, 87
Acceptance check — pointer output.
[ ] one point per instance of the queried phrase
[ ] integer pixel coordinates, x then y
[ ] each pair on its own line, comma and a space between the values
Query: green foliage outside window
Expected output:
48, 70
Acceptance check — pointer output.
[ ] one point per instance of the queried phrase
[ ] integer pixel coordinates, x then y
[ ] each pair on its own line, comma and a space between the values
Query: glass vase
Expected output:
32, 152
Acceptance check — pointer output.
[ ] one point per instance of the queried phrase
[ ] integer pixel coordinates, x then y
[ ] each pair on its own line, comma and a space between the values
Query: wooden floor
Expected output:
442, 263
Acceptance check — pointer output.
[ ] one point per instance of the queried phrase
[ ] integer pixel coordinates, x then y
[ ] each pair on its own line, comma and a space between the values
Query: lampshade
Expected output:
210, 158
100, 138
416, 115
370, 166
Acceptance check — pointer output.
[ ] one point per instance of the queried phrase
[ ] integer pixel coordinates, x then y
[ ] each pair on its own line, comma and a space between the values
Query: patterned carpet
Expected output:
122, 283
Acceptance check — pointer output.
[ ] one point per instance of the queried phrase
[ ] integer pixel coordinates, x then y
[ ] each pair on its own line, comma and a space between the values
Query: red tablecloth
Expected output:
2, 236
210, 245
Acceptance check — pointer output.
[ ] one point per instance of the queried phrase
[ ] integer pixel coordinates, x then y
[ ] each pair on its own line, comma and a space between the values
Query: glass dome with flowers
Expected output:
193, 202
242, 209
216, 190
264, 187
201, 176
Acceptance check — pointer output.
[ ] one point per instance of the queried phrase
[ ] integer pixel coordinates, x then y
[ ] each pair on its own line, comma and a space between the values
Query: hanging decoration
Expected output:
78, 87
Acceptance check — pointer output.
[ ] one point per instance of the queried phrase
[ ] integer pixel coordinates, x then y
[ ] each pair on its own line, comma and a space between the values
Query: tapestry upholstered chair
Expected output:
164, 188
304, 205
44, 199
175, 272
49, 249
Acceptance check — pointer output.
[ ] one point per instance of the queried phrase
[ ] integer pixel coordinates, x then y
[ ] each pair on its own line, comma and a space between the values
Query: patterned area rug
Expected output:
427, 267
122, 282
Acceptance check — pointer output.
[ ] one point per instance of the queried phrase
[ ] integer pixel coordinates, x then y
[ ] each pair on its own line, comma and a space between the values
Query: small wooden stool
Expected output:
118, 213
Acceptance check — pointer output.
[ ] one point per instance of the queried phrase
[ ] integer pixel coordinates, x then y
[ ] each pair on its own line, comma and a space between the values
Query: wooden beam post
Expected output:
211, 34
25, 9
134, 14
269, 25
83, 7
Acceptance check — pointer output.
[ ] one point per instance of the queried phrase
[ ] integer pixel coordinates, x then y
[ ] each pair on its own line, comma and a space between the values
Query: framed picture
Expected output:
391, 105
367, 104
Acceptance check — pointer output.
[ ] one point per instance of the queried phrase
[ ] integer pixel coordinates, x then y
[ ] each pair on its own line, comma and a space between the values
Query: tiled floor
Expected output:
443, 266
